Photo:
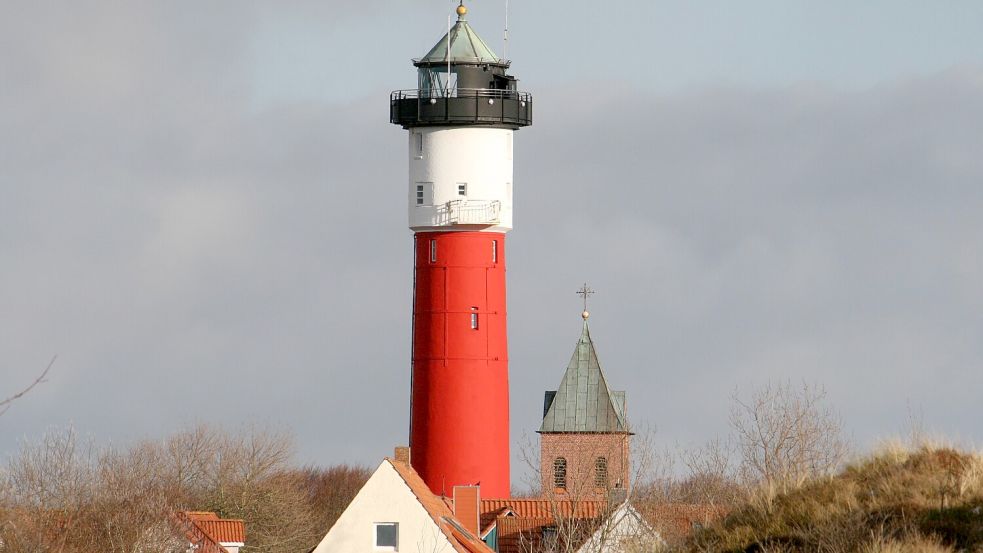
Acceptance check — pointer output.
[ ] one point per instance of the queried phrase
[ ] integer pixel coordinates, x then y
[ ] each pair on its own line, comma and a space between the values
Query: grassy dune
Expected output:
899, 500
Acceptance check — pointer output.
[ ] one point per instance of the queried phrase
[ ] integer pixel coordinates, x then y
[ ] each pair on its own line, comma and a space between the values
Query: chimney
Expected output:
617, 496
467, 508
402, 454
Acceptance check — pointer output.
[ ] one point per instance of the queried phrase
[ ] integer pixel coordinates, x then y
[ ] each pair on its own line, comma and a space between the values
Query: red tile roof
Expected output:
521, 522
207, 531
676, 521
223, 531
437, 507
546, 508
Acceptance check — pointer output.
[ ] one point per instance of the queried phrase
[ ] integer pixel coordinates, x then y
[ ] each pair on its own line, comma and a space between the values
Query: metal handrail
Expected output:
469, 212
415, 93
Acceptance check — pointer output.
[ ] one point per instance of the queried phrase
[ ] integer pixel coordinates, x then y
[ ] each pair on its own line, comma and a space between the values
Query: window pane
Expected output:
385, 535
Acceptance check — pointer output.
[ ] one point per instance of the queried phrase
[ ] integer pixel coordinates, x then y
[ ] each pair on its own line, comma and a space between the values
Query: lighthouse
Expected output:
460, 121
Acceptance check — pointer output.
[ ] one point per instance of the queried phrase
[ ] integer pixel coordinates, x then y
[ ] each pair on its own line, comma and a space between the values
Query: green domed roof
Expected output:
465, 47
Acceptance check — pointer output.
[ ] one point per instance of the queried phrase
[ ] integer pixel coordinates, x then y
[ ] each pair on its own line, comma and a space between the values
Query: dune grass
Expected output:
898, 500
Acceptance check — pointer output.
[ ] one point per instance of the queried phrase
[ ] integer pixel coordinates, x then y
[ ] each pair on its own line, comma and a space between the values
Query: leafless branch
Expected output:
5, 404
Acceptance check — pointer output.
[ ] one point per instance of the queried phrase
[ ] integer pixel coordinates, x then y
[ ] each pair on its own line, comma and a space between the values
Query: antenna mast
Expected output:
447, 81
505, 46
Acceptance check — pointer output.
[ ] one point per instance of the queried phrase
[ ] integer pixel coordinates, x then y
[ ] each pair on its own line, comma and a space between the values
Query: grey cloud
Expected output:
193, 256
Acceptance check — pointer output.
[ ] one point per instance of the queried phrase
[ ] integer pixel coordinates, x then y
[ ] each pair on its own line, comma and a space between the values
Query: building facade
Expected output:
584, 435
460, 122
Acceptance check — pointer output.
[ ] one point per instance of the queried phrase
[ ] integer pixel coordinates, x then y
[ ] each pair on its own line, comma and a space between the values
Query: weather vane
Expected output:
586, 292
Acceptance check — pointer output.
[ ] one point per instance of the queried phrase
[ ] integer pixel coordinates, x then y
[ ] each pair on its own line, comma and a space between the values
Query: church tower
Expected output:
584, 436
460, 121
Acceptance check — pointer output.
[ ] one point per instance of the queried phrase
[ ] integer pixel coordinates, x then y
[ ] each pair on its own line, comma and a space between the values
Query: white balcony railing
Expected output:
469, 212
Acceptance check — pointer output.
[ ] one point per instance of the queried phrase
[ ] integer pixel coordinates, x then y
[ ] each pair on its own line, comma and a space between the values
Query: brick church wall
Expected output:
581, 452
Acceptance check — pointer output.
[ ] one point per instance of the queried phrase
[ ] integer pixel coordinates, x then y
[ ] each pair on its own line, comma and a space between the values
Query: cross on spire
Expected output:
585, 291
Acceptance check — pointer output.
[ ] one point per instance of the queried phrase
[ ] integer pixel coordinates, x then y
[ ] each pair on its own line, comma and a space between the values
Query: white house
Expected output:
395, 511
624, 531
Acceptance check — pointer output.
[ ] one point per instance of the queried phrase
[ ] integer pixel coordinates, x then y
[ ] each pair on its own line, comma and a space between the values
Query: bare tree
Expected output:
712, 477
584, 510
62, 495
786, 435
6, 403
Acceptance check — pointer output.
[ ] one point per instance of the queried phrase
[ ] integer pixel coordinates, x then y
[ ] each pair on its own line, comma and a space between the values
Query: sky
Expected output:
202, 213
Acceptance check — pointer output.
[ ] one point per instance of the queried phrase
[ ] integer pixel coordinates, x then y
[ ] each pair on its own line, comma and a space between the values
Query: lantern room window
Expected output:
436, 82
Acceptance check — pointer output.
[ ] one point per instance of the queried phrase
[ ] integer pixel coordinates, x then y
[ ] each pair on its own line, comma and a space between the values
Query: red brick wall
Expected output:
581, 451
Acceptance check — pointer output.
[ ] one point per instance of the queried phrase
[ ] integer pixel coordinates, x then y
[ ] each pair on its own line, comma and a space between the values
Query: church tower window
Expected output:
560, 473
601, 472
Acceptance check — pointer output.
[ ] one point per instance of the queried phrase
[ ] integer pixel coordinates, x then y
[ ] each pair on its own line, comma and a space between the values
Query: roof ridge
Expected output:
418, 486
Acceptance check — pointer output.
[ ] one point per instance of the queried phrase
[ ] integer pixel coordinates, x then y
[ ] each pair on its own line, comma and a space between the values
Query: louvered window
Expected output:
560, 473
601, 472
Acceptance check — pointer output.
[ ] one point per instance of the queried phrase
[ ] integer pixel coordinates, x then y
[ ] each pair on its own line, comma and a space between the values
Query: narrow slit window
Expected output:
462, 189
419, 194
474, 318
601, 472
494, 251
418, 145
560, 473
433, 251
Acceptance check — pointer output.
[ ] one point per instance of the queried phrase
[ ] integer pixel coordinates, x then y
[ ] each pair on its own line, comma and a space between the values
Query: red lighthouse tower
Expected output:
461, 119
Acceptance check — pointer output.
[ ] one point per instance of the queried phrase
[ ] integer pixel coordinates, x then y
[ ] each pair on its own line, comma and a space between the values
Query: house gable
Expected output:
386, 497
624, 530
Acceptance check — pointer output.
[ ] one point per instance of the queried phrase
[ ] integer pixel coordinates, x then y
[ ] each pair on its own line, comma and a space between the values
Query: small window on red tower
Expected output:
433, 251
494, 251
474, 318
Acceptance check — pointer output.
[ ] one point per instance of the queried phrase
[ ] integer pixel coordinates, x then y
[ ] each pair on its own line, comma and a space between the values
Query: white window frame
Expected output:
375, 536
474, 318
433, 250
424, 194
462, 189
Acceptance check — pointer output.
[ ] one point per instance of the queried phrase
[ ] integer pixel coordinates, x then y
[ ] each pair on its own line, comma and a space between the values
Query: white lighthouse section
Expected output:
460, 178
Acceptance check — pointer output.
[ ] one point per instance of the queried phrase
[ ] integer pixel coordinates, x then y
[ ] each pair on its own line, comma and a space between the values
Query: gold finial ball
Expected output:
461, 10
585, 314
